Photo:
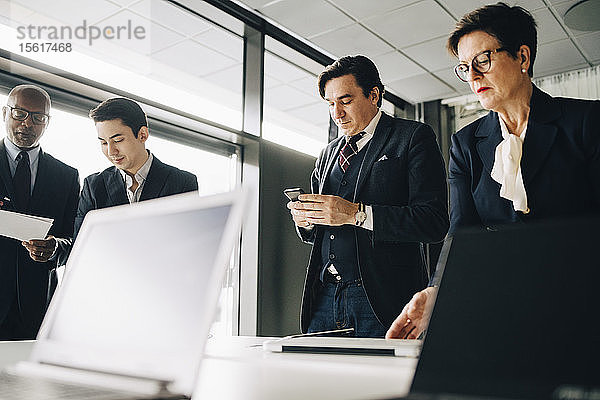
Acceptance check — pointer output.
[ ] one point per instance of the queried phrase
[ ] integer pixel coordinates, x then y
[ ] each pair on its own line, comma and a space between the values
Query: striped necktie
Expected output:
349, 150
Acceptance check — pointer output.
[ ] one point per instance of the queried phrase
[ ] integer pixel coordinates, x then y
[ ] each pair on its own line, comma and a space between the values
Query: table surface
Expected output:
238, 368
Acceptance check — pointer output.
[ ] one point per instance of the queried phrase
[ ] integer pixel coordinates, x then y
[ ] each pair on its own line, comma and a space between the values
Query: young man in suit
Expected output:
31, 182
136, 174
379, 193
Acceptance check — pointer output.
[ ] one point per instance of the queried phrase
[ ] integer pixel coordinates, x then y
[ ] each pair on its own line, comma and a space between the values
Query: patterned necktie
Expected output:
349, 150
22, 182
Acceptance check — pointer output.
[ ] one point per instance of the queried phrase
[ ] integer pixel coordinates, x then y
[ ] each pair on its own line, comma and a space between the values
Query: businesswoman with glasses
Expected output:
532, 157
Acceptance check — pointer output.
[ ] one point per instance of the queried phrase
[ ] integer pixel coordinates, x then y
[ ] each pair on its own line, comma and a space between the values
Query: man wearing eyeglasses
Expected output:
31, 182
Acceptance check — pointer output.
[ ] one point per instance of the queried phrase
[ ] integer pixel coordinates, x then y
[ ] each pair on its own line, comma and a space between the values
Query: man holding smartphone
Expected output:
378, 193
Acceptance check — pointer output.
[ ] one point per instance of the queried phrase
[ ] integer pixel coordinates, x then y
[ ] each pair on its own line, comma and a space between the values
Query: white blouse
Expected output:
507, 168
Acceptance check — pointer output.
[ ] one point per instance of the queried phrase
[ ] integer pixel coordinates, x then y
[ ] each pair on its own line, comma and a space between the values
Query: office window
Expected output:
294, 114
72, 139
150, 48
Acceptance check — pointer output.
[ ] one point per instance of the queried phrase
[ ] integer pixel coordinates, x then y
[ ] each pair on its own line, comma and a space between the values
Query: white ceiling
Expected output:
406, 38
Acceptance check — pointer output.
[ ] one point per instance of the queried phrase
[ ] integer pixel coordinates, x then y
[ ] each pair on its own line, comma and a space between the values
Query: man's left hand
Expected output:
326, 209
41, 250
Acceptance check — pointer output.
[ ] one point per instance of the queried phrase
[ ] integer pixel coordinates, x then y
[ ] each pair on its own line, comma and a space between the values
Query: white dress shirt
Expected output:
507, 168
140, 178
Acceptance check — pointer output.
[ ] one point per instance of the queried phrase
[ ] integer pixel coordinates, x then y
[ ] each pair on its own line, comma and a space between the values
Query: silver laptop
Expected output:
133, 314
311, 343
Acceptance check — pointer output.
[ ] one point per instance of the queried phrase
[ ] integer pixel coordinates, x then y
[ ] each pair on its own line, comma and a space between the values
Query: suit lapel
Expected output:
5, 171
115, 188
333, 156
155, 181
490, 136
44, 177
374, 147
540, 134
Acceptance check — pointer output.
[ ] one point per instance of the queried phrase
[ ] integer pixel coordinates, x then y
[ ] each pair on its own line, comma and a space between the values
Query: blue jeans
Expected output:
345, 305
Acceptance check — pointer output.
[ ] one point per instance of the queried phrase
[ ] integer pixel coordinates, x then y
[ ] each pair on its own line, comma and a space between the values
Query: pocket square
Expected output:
383, 157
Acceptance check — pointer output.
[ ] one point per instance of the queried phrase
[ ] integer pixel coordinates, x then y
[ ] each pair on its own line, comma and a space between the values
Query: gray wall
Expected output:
282, 256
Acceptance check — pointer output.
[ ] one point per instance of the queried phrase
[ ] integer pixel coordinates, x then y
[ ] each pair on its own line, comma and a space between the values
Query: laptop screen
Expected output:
516, 315
136, 294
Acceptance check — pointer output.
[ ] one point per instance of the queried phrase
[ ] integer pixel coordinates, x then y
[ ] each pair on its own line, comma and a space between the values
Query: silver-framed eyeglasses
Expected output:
19, 114
482, 62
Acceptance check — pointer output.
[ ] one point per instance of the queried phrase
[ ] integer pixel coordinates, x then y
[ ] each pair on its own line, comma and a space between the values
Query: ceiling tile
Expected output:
393, 66
123, 3
285, 97
293, 15
432, 54
172, 16
230, 79
409, 25
282, 69
590, 44
223, 42
70, 12
562, 8
353, 39
156, 37
256, 4
317, 114
307, 85
361, 9
422, 87
270, 81
549, 30
193, 58
459, 8
448, 76
556, 56
12, 11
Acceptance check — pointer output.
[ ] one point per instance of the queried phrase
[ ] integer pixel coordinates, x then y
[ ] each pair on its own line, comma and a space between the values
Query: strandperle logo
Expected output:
84, 31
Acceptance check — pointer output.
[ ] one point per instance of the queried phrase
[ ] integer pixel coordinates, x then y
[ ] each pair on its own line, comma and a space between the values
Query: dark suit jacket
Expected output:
560, 165
106, 188
54, 196
408, 194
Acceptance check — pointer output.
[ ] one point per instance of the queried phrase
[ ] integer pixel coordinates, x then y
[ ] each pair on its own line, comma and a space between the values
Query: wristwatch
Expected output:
361, 215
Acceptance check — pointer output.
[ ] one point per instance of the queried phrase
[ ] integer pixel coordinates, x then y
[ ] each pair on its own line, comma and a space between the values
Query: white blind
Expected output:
582, 84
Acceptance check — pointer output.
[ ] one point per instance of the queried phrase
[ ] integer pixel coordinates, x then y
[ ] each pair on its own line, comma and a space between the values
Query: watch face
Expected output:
360, 217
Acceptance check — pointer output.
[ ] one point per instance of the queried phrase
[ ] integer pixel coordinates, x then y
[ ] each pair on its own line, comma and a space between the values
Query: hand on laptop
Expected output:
41, 250
414, 318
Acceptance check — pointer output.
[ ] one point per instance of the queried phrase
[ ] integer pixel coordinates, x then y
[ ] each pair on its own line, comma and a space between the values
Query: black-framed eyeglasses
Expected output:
482, 62
19, 114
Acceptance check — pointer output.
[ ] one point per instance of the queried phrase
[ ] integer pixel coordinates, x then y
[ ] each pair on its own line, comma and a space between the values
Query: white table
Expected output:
237, 368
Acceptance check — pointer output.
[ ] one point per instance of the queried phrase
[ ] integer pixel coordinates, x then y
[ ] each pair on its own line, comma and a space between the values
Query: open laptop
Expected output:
516, 315
133, 314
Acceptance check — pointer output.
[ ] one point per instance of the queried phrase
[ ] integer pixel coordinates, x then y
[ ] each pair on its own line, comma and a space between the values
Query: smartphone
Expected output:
293, 193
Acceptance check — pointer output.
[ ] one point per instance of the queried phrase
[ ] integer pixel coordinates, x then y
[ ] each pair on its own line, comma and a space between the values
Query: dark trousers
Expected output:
345, 305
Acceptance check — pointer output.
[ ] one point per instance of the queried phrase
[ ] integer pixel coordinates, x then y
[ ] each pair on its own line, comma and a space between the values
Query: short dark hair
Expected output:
121, 108
511, 26
364, 71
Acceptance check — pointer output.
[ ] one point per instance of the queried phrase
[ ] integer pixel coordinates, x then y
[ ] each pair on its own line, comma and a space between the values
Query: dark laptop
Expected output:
517, 315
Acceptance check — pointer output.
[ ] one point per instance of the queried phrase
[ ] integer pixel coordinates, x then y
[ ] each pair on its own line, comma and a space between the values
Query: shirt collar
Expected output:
369, 131
142, 173
13, 151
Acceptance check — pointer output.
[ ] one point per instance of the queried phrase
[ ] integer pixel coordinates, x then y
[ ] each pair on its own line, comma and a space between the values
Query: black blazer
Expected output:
560, 165
106, 188
408, 194
54, 196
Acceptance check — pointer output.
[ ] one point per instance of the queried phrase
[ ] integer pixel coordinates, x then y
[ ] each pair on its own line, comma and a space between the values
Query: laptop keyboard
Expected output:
14, 387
